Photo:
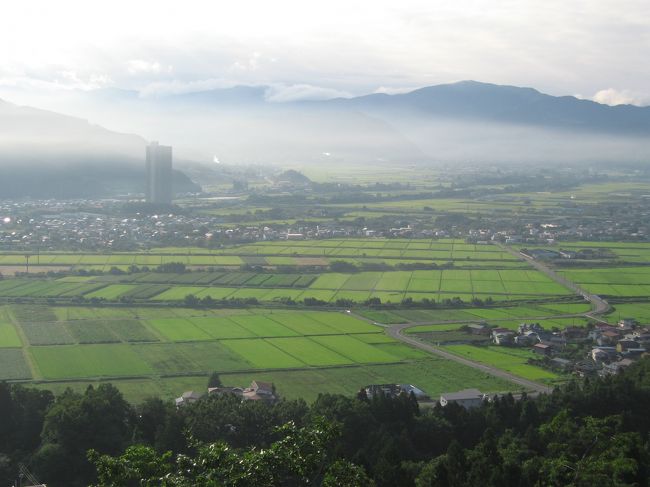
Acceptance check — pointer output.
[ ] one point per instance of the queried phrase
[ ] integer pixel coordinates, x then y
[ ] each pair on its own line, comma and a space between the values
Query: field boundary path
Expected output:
599, 304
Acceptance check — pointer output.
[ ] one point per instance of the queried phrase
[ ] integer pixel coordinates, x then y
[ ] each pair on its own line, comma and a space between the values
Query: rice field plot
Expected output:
69, 313
178, 293
281, 280
510, 360
199, 357
309, 352
388, 296
303, 324
9, 336
129, 330
304, 280
374, 338
248, 293
330, 281
456, 286
240, 278
400, 350
488, 287
354, 296
13, 364
77, 279
178, 329
208, 277
46, 333
221, 327
320, 294
111, 292
280, 293
26, 289
263, 326
213, 292
639, 311
263, 354
393, 281
7, 285
566, 308
73, 361
363, 281
81, 289
381, 316
146, 291
91, 332
258, 280
344, 323
355, 349
443, 327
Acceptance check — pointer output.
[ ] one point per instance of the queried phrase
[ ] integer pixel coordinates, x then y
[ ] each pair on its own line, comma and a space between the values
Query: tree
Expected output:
299, 457
214, 380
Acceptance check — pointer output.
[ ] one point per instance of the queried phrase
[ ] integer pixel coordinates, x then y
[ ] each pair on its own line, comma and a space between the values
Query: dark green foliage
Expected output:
593, 433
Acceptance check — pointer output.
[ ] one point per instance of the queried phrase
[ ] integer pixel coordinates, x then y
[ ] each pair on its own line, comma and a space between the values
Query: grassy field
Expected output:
167, 350
13, 364
9, 336
432, 375
154, 346
479, 272
512, 360
88, 361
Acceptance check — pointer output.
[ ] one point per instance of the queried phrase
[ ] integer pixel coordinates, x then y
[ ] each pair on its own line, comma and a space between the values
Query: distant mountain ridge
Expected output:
506, 104
461, 100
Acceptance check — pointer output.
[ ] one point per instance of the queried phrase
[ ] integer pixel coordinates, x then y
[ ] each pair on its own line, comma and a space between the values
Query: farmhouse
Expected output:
221, 391
479, 329
187, 397
503, 336
467, 398
260, 391
542, 349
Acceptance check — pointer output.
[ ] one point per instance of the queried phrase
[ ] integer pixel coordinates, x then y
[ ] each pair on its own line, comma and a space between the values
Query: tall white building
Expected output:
159, 173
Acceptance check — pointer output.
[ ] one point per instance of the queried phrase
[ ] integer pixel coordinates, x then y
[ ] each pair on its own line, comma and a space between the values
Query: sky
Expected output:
316, 49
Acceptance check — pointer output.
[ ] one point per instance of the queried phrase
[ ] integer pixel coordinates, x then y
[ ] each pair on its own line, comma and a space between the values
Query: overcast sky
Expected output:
316, 49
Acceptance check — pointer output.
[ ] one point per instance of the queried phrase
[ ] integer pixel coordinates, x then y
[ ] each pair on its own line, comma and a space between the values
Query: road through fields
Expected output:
600, 305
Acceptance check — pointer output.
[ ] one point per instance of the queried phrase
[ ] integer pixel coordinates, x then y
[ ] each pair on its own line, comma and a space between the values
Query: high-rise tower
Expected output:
159, 173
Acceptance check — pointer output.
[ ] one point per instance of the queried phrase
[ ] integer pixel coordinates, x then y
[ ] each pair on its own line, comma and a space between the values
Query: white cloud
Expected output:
178, 87
394, 90
280, 93
613, 97
140, 66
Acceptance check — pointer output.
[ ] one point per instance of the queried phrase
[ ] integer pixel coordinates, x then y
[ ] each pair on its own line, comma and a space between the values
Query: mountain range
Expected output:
468, 122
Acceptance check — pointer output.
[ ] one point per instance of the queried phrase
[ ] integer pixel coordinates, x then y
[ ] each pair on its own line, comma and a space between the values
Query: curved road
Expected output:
395, 331
600, 306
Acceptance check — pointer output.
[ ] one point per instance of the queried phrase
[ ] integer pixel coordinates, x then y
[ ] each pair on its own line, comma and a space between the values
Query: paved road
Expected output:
599, 304
395, 331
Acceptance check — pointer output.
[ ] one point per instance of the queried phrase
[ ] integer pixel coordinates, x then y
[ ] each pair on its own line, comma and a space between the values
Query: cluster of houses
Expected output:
467, 398
257, 391
614, 347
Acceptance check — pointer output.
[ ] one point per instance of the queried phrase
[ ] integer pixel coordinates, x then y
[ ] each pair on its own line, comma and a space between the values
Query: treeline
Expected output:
593, 433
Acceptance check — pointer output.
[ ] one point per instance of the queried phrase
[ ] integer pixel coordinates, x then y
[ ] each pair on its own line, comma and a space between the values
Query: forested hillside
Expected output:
584, 434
